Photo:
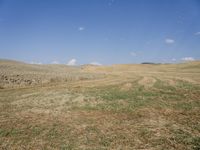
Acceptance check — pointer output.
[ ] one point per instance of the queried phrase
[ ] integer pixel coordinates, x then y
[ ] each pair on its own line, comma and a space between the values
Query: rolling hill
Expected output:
122, 106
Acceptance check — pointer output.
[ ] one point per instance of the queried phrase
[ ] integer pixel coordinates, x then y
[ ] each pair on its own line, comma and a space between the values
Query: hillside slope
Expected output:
130, 106
19, 74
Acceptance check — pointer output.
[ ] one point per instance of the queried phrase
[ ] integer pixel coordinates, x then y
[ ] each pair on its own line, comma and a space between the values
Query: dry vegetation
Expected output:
100, 107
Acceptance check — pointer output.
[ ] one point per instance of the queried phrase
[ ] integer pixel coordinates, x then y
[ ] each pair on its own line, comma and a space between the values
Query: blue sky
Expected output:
100, 31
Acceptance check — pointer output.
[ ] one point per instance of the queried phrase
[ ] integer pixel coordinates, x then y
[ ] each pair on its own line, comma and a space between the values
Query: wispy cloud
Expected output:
169, 41
110, 2
55, 62
133, 54
197, 33
36, 63
81, 28
187, 59
174, 59
72, 62
96, 63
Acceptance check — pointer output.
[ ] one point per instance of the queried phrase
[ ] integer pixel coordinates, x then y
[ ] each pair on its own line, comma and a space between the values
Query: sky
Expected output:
76, 32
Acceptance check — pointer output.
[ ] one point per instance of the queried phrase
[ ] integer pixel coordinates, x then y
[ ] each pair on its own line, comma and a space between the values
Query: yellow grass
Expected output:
129, 106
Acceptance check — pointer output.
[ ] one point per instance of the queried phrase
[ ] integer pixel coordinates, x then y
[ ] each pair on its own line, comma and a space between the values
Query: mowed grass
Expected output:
146, 111
157, 117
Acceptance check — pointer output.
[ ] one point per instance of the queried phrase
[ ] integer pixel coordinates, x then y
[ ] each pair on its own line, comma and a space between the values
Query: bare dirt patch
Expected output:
126, 87
147, 81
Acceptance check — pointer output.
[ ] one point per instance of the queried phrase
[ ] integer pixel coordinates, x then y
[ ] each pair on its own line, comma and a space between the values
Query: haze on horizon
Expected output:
99, 31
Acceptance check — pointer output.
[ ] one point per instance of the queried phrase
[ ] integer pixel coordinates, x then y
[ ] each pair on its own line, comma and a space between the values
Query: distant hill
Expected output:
15, 73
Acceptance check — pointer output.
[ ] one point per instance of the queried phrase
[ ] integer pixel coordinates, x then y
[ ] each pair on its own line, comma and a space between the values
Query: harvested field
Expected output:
100, 107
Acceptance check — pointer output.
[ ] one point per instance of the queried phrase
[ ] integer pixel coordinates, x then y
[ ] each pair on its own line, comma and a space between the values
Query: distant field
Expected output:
130, 106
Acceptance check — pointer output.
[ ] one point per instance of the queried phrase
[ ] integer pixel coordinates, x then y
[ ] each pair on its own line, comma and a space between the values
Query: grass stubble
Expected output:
129, 108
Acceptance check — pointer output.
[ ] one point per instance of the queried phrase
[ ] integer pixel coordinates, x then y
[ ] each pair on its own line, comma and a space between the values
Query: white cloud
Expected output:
188, 59
35, 63
173, 59
96, 63
111, 2
81, 28
133, 54
55, 62
72, 62
169, 41
197, 33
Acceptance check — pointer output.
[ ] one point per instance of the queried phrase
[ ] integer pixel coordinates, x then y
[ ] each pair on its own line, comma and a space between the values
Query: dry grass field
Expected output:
119, 107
